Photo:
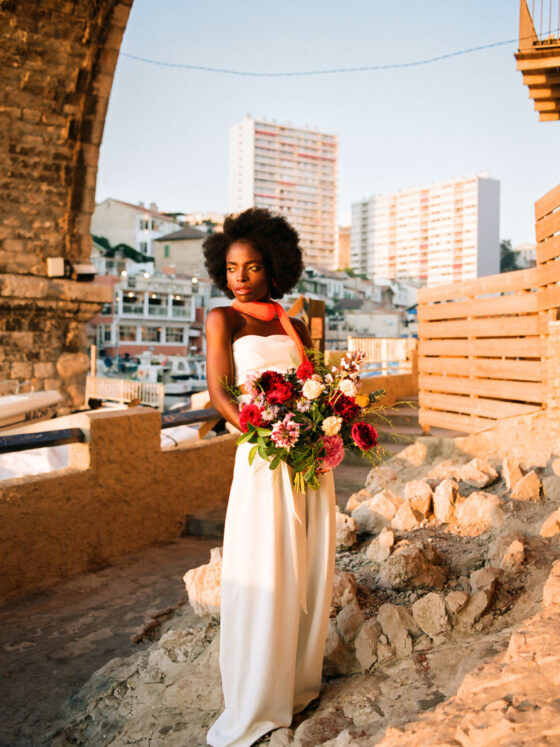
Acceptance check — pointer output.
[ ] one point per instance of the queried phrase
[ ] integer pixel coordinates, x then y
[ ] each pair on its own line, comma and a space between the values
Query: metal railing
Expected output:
25, 441
545, 15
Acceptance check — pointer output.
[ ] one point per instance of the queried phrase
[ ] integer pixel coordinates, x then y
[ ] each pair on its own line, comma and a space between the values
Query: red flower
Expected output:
364, 435
344, 406
305, 371
275, 387
250, 414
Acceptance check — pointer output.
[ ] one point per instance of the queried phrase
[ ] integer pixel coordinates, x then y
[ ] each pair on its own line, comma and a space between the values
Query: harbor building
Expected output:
292, 171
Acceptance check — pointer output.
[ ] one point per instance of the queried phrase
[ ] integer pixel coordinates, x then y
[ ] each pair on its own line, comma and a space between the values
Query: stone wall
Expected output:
57, 60
120, 493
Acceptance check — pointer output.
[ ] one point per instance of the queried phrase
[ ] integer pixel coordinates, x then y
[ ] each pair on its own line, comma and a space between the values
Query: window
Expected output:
104, 333
174, 334
107, 308
144, 247
151, 334
166, 251
127, 333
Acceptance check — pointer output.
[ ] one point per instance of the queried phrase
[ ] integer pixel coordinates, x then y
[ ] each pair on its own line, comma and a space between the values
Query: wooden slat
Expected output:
541, 79
514, 303
548, 226
549, 272
527, 391
548, 249
482, 367
513, 326
501, 283
537, 61
523, 347
545, 93
454, 422
479, 406
549, 116
547, 203
546, 106
550, 298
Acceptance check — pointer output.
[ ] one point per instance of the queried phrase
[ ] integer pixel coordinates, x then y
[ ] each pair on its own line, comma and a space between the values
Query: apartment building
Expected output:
438, 233
292, 171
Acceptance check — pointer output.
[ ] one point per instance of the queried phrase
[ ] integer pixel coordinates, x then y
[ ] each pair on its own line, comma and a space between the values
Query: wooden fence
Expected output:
483, 342
125, 390
387, 354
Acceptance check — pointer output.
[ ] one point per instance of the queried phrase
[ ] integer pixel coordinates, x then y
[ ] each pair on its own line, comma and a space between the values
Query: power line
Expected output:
327, 71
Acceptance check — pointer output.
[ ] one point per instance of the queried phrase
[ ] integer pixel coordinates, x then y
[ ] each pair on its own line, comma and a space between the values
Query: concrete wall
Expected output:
120, 493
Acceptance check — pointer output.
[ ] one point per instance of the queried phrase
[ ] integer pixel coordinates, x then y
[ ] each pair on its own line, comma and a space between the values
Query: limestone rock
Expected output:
528, 488
321, 727
406, 519
384, 651
479, 512
379, 478
348, 620
346, 528
419, 495
203, 585
478, 473
366, 643
377, 512
551, 525
337, 657
500, 545
455, 601
281, 738
555, 466
511, 472
415, 454
69, 365
429, 612
514, 556
344, 589
355, 500
444, 499
395, 629
474, 609
445, 470
379, 548
417, 566
551, 487
485, 578
551, 589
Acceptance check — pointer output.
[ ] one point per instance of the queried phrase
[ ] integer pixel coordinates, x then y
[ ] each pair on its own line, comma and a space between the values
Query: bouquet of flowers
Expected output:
308, 416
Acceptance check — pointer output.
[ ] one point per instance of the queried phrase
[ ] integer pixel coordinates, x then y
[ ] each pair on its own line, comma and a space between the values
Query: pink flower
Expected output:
334, 448
285, 433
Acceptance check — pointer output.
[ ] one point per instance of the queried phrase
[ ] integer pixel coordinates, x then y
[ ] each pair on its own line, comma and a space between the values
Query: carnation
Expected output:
305, 371
364, 435
334, 452
303, 405
331, 425
250, 414
348, 387
275, 387
285, 433
344, 406
312, 388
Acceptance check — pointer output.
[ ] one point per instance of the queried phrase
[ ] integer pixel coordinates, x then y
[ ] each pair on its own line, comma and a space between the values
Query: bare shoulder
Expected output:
220, 320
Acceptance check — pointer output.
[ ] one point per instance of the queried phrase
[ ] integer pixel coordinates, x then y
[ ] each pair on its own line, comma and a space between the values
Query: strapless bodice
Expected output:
255, 353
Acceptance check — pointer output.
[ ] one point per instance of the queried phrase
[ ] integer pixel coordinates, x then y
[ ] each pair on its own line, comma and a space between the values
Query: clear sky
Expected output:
167, 131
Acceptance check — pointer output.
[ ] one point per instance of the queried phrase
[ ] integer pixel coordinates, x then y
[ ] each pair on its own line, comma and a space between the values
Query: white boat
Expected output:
28, 407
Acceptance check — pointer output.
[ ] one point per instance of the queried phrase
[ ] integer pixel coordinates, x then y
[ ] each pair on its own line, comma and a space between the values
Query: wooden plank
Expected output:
479, 406
549, 116
545, 93
453, 421
527, 391
501, 283
513, 303
548, 202
547, 226
546, 106
494, 368
508, 326
523, 347
548, 249
549, 272
550, 297
541, 79
537, 61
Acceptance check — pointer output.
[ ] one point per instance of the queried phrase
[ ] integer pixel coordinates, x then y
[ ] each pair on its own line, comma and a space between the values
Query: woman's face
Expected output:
246, 273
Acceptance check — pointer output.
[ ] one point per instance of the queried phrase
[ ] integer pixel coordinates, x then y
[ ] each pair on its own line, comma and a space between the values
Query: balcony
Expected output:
539, 55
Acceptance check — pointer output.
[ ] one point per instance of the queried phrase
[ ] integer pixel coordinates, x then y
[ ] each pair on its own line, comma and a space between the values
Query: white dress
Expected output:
277, 576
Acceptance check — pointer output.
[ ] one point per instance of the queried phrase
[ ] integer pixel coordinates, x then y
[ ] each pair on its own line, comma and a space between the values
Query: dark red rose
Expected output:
344, 406
305, 371
364, 436
275, 387
250, 414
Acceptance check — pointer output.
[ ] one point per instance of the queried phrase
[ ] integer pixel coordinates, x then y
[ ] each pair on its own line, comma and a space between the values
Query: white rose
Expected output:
312, 389
348, 387
331, 425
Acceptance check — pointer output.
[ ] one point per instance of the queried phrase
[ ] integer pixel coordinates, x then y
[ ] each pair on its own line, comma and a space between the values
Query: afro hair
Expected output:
271, 235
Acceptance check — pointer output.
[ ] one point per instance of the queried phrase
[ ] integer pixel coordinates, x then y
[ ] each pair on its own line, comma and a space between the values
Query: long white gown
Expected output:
277, 577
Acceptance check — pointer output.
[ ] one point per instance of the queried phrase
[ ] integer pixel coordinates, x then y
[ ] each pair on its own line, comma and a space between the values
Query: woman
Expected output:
278, 554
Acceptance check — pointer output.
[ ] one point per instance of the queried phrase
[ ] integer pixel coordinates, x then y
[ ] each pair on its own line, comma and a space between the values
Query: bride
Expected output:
278, 553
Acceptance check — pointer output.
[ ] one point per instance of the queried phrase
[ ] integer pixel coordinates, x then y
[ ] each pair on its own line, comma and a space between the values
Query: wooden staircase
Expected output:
539, 56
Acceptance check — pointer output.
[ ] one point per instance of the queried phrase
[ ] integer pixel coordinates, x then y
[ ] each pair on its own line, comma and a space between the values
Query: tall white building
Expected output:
438, 233
292, 171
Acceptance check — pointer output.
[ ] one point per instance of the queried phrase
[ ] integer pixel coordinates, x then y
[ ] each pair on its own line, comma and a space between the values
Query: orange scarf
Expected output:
266, 311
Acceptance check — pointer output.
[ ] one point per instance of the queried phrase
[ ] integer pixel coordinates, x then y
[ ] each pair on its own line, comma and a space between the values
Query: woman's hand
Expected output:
219, 363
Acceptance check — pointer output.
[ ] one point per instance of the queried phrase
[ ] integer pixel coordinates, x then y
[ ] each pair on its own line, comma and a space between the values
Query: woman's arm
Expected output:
219, 363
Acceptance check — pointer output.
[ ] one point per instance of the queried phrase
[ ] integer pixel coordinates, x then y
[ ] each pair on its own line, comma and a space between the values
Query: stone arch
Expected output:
57, 61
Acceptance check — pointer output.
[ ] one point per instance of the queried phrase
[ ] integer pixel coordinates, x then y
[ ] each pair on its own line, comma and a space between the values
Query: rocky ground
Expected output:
445, 623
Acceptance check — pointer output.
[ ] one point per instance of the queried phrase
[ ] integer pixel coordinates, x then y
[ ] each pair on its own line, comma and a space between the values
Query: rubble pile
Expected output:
441, 560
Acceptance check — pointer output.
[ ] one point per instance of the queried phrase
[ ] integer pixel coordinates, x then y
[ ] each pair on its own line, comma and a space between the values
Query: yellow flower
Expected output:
362, 400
